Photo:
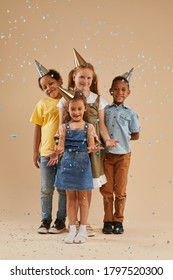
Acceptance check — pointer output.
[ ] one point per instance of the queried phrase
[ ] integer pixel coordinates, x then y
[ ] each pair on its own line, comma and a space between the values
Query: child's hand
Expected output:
94, 149
111, 143
36, 160
53, 159
57, 150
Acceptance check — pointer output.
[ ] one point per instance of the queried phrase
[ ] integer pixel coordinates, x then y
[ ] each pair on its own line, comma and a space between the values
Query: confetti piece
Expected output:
13, 135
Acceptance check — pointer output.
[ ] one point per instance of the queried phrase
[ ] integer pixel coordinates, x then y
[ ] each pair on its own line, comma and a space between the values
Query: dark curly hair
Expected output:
120, 78
53, 74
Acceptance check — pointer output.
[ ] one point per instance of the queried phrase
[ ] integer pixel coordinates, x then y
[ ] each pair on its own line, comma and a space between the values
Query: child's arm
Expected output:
61, 139
104, 131
36, 145
92, 147
61, 113
134, 136
59, 147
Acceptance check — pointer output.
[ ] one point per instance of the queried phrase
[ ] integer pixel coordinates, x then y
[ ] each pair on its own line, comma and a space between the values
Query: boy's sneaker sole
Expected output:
44, 228
58, 227
107, 231
54, 230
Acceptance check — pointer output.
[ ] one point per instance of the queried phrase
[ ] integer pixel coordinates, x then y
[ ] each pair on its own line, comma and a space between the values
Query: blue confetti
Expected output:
13, 135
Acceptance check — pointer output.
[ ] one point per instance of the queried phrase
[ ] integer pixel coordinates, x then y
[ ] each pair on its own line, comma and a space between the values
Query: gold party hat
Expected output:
67, 94
41, 69
128, 74
78, 59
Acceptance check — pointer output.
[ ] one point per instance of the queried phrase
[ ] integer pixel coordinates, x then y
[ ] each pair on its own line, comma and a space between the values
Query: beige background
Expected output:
114, 36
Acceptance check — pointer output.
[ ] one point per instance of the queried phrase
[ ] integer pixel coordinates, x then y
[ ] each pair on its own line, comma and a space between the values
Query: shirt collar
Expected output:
118, 106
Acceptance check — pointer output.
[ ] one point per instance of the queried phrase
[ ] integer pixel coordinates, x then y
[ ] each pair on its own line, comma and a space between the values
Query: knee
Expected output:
106, 192
47, 190
120, 196
83, 201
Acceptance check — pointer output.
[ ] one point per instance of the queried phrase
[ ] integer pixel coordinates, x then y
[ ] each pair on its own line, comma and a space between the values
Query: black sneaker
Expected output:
118, 228
44, 228
107, 228
58, 227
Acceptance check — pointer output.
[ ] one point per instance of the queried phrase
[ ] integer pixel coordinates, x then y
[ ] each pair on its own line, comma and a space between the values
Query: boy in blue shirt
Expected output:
122, 124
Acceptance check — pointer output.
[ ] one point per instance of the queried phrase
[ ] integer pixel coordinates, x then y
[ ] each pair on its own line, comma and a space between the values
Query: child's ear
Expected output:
129, 92
111, 91
73, 77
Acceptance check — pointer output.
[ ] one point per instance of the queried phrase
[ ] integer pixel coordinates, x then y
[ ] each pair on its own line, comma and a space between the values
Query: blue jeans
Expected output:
48, 174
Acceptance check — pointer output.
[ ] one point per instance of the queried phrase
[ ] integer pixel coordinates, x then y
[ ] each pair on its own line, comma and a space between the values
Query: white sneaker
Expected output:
90, 230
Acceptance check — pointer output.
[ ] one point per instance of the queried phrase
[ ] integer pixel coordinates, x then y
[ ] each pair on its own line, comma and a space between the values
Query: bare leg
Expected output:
90, 230
89, 193
81, 237
77, 206
71, 213
71, 206
84, 206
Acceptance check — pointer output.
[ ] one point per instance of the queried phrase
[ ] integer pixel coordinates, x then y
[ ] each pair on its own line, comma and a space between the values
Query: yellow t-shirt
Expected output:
46, 114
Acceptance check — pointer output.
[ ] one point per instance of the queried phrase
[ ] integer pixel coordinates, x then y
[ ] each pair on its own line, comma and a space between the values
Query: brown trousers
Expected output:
116, 169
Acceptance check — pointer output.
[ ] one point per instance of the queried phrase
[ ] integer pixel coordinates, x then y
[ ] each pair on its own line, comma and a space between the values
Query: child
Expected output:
122, 124
46, 119
84, 78
74, 169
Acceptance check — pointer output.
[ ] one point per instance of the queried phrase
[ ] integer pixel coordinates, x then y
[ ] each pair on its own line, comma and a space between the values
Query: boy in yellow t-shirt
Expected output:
46, 119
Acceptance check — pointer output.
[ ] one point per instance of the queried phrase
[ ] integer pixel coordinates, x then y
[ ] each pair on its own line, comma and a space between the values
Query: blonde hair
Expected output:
94, 85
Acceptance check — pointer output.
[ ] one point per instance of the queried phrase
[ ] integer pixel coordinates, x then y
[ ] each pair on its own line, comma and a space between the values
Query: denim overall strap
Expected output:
67, 126
86, 127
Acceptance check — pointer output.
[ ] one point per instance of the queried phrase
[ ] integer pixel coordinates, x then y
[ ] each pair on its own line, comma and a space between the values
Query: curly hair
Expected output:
53, 74
120, 78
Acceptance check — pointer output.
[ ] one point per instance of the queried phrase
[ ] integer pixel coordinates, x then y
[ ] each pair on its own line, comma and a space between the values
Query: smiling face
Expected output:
120, 91
76, 110
83, 79
49, 86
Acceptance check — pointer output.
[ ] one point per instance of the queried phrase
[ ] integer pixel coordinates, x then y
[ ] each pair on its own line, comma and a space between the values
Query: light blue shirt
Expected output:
121, 121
